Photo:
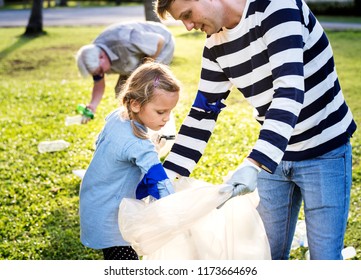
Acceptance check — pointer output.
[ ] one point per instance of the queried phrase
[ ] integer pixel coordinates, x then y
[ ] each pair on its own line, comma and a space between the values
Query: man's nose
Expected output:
188, 24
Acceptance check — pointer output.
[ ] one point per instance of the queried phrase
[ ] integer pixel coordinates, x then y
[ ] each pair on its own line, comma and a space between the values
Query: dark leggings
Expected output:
120, 253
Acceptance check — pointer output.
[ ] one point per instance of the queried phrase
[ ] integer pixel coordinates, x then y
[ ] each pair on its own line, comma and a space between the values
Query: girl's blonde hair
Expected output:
140, 87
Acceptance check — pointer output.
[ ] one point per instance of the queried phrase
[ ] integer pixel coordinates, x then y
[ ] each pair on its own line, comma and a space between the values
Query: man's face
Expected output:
198, 15
104, 65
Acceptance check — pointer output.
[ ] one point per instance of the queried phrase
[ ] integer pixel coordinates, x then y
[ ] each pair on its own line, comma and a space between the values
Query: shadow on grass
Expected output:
21, 41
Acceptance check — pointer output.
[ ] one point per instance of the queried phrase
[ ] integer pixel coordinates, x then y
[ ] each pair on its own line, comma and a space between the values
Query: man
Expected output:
277, 54
120, 49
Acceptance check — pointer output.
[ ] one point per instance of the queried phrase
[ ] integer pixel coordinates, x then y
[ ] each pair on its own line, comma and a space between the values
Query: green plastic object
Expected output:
82, 109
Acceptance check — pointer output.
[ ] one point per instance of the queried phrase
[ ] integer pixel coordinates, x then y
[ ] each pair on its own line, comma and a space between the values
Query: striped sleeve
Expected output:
198, 126
282, 33
280, 59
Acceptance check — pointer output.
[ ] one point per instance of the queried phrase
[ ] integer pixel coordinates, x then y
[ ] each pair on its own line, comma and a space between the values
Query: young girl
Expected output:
125, 162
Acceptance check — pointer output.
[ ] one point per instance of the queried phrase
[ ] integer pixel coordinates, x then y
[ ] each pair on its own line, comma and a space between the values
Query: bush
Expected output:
336, 8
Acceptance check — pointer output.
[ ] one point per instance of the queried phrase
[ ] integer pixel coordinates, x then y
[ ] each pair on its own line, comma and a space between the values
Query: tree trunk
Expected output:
150, 15
62, 3
35, 24
357, 5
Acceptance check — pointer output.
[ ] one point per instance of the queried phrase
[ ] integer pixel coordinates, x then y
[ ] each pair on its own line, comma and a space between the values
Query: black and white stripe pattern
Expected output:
280, 59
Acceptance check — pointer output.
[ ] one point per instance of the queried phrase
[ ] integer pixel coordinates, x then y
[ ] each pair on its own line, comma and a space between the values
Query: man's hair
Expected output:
87, 59
161, 7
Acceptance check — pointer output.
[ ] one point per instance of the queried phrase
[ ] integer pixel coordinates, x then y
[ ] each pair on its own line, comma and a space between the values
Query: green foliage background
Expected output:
40, 86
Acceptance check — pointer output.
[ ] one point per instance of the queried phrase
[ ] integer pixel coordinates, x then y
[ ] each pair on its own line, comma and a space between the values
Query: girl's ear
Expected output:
135, 106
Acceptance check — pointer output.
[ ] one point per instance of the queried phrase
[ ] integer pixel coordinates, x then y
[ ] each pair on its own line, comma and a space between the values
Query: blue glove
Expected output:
154, 183
165, 188
243, 180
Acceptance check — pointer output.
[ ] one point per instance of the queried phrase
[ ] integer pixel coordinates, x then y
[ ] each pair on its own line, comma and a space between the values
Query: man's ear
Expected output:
135, 106
103, 56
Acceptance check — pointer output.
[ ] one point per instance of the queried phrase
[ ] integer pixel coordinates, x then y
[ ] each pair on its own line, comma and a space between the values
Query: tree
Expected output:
357, 5
35, 24
61, 3
149, 11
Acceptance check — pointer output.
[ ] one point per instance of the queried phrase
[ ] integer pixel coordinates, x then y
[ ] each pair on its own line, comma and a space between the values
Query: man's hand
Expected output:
88, 114
243, 180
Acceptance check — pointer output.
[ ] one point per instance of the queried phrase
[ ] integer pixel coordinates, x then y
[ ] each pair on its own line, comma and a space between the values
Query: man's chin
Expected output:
207, 31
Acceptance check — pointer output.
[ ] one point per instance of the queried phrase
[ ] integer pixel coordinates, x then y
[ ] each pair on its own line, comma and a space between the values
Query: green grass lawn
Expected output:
40, 86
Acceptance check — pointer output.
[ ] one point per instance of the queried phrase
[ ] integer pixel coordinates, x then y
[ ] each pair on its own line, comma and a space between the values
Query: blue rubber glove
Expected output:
165, 188
243, 180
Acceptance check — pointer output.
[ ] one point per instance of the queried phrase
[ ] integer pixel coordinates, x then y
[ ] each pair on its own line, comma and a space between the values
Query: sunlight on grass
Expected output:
40, 86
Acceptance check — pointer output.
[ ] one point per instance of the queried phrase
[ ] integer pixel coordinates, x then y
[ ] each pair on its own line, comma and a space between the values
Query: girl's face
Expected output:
156, 113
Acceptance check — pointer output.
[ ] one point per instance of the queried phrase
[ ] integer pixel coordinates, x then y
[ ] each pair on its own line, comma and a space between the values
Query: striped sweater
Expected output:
280, 59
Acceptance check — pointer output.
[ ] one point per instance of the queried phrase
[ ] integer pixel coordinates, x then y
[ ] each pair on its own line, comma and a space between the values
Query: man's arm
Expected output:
159, 47
97, 94
194, 134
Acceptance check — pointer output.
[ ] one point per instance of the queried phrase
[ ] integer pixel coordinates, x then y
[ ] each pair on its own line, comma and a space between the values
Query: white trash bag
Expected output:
186, 225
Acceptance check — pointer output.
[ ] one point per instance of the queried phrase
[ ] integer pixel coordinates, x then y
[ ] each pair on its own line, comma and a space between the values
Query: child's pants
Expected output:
120, 253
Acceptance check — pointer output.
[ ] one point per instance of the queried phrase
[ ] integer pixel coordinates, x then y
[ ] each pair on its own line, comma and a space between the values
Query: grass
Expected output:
348, 19
40, 86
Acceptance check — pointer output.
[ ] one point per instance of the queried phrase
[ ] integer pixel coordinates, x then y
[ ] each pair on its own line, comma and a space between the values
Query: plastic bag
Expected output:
187, 225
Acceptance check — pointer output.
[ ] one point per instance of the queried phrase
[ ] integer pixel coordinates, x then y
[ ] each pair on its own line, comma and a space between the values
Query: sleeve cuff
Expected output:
171, 174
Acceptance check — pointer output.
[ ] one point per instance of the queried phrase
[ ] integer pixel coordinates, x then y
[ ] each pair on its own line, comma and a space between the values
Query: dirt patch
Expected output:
17, 65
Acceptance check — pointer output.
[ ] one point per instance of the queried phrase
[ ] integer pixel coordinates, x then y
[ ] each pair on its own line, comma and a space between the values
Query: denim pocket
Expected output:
335, 153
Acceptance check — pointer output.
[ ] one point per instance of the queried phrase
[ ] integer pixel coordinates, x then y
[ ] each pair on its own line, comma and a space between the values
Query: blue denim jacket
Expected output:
119, 163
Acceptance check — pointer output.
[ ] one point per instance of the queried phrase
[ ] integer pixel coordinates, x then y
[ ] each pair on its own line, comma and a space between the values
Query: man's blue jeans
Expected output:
324, 185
